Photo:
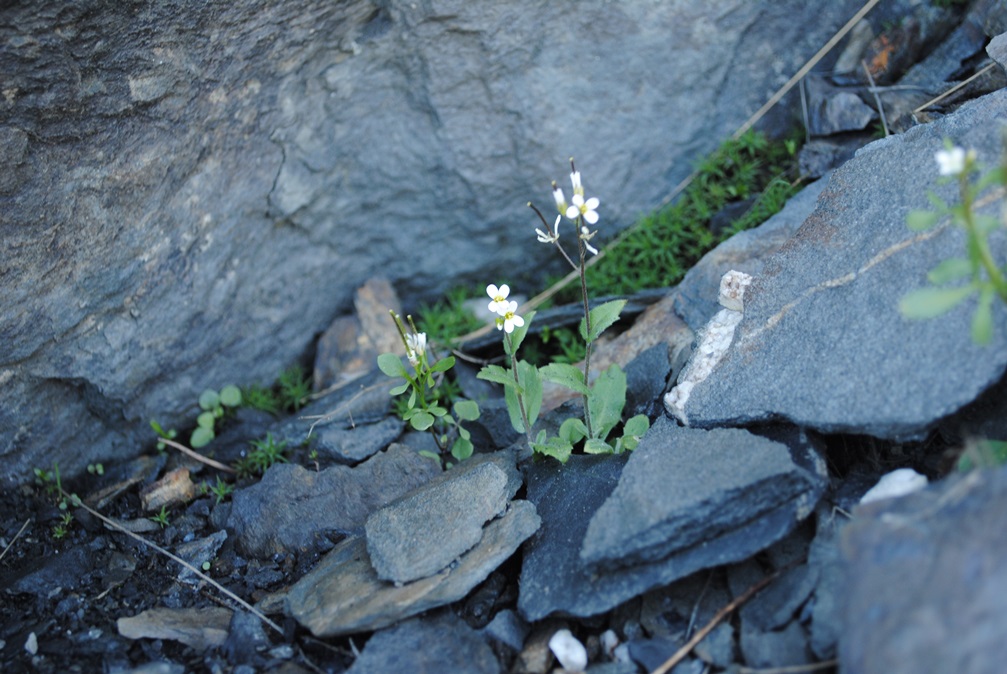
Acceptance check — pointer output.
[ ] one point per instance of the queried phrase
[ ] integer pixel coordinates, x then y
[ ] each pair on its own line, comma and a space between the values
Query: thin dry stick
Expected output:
806, 68
877, 97
953, 89
16, 536
197, 456
115, 525
708, 627
792, 669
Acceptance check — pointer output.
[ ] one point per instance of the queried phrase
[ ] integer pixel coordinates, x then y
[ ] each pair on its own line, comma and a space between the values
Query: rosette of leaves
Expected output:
214, 405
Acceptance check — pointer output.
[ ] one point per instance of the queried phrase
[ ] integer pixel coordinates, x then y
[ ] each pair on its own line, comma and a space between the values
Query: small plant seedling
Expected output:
265, 453
221, 490
63, 528
294, 388
163, 434
214, 405
161, 517
95, 469
262, 398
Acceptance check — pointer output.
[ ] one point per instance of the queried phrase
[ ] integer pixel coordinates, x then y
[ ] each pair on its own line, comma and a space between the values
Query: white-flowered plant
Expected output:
604, 397
423, 407
956, 279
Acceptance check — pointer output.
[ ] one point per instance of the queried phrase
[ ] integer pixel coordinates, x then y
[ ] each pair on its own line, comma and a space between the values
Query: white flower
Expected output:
499, 297
416, 347
578, 206
508, 319
550, 237
557, 194
585, 236
951, 161
578, 188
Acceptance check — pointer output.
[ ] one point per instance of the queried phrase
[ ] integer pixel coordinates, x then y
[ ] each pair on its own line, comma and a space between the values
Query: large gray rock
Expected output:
822, 342
192, 192
924, 580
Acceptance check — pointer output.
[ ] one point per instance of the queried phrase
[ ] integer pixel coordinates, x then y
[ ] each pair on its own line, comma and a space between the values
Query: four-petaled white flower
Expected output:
580, 207
416, 347
508, 318
499, 297
550, 237
951, 161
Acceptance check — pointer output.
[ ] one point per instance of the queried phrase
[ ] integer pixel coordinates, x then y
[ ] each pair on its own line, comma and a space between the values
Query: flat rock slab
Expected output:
686, 487
557, 580
422, 532
343, 594
822, 342
420, 646
199, 628
292, 506
925, 580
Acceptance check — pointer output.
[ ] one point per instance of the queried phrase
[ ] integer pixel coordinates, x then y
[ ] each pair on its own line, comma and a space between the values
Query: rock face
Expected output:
816, 342
193, 192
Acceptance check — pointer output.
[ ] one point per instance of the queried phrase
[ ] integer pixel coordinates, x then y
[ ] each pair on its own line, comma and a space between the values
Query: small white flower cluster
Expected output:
579, 209
506, 310
953, 160
416, 347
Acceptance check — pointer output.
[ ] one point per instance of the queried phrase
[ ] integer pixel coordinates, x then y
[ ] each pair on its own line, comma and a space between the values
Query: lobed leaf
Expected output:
602, 317
566, 375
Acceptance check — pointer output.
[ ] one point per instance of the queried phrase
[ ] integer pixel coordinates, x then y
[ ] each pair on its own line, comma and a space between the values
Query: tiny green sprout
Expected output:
206, 565
161, 517
294, 388
163, 434
221, 490
95, 469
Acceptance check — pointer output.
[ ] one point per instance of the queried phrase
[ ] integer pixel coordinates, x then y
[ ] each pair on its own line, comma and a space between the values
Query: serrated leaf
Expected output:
444, 364
607, 400
497, 375
919, 221
230, 395
566, 375
391, 365
467, 410
597, 446
949, 270
982, 320
421, 421
602, 317
932, 302
554, 447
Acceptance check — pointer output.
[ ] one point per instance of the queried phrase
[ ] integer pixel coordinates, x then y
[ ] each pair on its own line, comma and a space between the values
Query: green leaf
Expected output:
986, 224
937, 202
391, 365
230, 395
206, 420
920, 221
606, 401
201, 437
444, 364
463, 433
566, 375
573, 430
602, 317
430, 455
949, 270
421, 421
982, 320
597, 446
531, 393
437, 410
467, 410
497, 375
209, 399
399, 390
638, 425
932, 302
997, 175
461, 449
557, 448
513, 343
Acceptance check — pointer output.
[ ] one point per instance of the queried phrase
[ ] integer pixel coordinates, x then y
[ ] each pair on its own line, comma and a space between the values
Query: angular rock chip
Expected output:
343, 594
199, 628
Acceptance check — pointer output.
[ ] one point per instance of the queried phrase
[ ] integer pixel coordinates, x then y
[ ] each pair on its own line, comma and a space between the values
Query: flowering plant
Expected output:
979, 270
605, 397
423, 409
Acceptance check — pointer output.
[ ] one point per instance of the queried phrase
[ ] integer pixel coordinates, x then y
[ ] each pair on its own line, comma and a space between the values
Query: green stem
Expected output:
587, 325
978, 243
517, 380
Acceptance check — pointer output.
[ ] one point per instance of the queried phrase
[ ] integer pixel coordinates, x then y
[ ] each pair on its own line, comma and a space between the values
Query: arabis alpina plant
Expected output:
605, 397
423, 408
956, 279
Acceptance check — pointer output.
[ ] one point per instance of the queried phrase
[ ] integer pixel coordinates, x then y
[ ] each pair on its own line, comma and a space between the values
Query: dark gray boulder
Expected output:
817, 342
193, 192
